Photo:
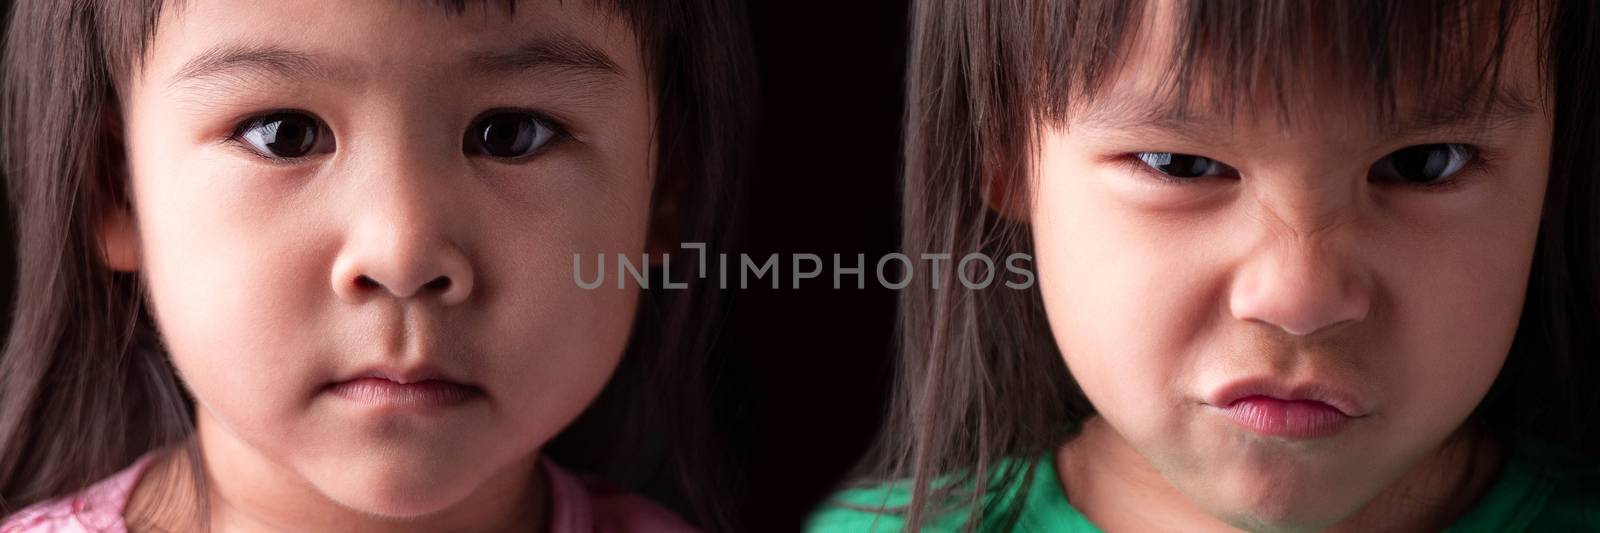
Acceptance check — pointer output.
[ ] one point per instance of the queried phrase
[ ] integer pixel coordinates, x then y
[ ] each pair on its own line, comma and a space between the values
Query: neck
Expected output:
1119, 490
246, 491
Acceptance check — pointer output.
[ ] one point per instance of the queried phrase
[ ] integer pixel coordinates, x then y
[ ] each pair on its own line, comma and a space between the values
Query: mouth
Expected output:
1308, 411
417, 387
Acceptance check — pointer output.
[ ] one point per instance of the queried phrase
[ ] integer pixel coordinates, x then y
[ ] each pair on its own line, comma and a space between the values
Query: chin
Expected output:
1278, 504
1279, 520
400, 489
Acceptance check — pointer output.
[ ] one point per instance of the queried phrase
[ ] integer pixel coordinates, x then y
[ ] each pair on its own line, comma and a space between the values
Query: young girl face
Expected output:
356, 221
1284, 325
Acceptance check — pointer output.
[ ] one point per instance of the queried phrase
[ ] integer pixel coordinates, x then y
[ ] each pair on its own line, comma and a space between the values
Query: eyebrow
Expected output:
235, 60
565, 55
558, 53
1132, 114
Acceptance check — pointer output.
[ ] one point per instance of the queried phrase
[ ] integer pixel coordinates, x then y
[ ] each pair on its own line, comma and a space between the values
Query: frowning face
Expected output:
1283, 317
356, 219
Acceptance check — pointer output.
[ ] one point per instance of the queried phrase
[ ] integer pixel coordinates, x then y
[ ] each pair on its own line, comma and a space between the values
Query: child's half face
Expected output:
1283, 319
357, 223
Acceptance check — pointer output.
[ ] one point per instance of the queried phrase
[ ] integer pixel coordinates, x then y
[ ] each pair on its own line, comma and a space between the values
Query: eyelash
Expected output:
560, 132
1479, 162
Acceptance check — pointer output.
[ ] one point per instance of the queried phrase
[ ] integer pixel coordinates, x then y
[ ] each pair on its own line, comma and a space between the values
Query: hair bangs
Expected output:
1239, 57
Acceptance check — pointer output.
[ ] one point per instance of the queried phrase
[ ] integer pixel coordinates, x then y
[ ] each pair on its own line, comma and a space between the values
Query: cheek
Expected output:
1454, 302
559, 342
1125, 297
237, 298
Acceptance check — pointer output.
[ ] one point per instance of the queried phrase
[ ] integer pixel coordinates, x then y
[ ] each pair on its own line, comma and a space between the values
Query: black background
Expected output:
825, 181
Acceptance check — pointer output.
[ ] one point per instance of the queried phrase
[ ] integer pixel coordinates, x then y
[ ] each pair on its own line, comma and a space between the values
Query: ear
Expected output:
119, 239
1006, 195
117, 228
666, 222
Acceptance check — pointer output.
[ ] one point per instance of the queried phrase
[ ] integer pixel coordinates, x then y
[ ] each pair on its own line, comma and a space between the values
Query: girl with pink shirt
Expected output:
307, 265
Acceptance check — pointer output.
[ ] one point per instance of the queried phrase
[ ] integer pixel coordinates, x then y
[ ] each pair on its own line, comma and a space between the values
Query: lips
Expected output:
1307, 411
420, 387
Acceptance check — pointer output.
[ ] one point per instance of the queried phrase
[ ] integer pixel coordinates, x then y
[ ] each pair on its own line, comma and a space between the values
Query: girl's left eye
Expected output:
1183, 166
1426, 164
510, 134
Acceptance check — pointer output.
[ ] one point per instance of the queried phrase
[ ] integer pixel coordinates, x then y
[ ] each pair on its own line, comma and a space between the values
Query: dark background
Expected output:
824, 182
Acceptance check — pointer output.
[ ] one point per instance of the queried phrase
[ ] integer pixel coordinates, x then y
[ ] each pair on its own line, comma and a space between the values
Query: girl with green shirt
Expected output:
1301, 266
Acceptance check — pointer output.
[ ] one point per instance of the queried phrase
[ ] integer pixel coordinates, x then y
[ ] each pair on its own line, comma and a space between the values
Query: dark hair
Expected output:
85, 387
979, 377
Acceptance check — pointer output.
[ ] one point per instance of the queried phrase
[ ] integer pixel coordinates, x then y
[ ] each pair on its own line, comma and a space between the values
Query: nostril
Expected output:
440, 283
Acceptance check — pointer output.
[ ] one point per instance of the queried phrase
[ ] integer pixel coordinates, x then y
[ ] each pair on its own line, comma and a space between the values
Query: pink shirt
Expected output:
577, 505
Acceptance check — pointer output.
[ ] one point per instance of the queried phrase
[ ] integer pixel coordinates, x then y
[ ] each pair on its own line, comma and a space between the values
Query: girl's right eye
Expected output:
288, 135
1183, 166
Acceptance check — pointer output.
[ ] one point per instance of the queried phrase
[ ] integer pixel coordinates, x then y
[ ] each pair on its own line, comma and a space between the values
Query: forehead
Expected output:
1302, 66
352, 40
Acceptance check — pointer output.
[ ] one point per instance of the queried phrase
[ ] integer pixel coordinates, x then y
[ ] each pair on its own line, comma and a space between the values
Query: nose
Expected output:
1300, 286
397, 245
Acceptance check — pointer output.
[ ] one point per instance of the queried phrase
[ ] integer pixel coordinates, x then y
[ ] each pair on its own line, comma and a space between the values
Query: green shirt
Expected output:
1540, 488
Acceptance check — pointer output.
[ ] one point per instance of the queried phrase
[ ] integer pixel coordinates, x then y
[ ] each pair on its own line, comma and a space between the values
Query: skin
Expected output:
1302, 267
254, 268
